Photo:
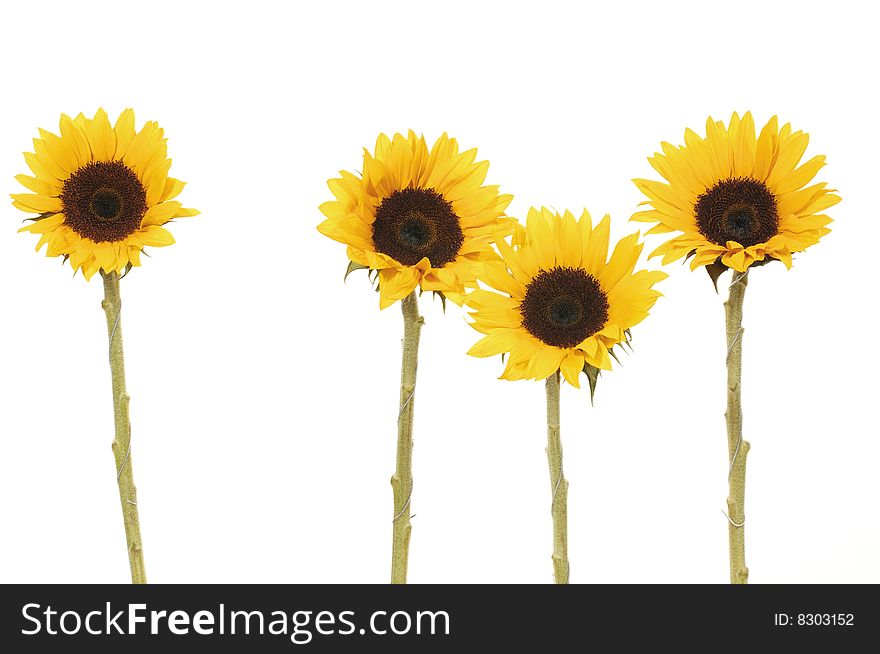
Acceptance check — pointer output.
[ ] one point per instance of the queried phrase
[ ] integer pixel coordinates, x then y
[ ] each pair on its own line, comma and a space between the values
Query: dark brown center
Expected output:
104, 201
738, 209
415, 223
564, 306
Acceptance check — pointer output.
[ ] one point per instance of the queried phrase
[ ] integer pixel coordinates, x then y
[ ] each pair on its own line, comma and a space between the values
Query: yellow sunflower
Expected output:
738, 199
420, 217
562, 303
101, 192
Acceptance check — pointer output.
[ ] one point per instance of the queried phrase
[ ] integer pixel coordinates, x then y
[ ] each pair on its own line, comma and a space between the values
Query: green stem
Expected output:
402, 481
112, 306
558, 483
737, 448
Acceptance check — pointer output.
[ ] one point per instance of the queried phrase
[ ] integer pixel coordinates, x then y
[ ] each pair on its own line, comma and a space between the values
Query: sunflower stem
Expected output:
737, 448
121, 445
402, 481
558, 483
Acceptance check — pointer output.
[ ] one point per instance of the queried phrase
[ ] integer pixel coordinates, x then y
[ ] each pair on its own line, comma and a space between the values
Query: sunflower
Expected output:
562, 306
737, 199
101, 192
420, 217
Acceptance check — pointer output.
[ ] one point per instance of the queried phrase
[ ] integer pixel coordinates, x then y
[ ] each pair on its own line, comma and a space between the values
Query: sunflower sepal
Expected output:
592, 373
442, 296
627, 341
613, 355
715, 270
352, 266
42, 216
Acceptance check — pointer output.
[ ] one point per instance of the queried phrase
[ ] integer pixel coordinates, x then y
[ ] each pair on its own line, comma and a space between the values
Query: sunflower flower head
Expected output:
737, 199
100, 193
558, 302
417, 217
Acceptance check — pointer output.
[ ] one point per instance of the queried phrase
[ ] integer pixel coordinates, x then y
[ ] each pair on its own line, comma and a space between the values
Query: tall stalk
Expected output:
737, 448
402, 481
121, 445
558, 483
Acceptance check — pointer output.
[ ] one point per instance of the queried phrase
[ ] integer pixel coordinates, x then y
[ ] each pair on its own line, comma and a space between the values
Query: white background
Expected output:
264, 391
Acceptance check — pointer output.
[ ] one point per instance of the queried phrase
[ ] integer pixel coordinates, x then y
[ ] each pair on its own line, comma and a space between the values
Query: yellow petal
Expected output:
75, 137
173, 187
569, 236
66, 157
623, 261
791, 149
39, 186
493, 344
594, 259
800, 177
155, 236
44, 225
124, 131
540, 237
37, 203
105, 256
101, 138
572, 366
545, 361
40, 170
496, 275
154, 181
160, 214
